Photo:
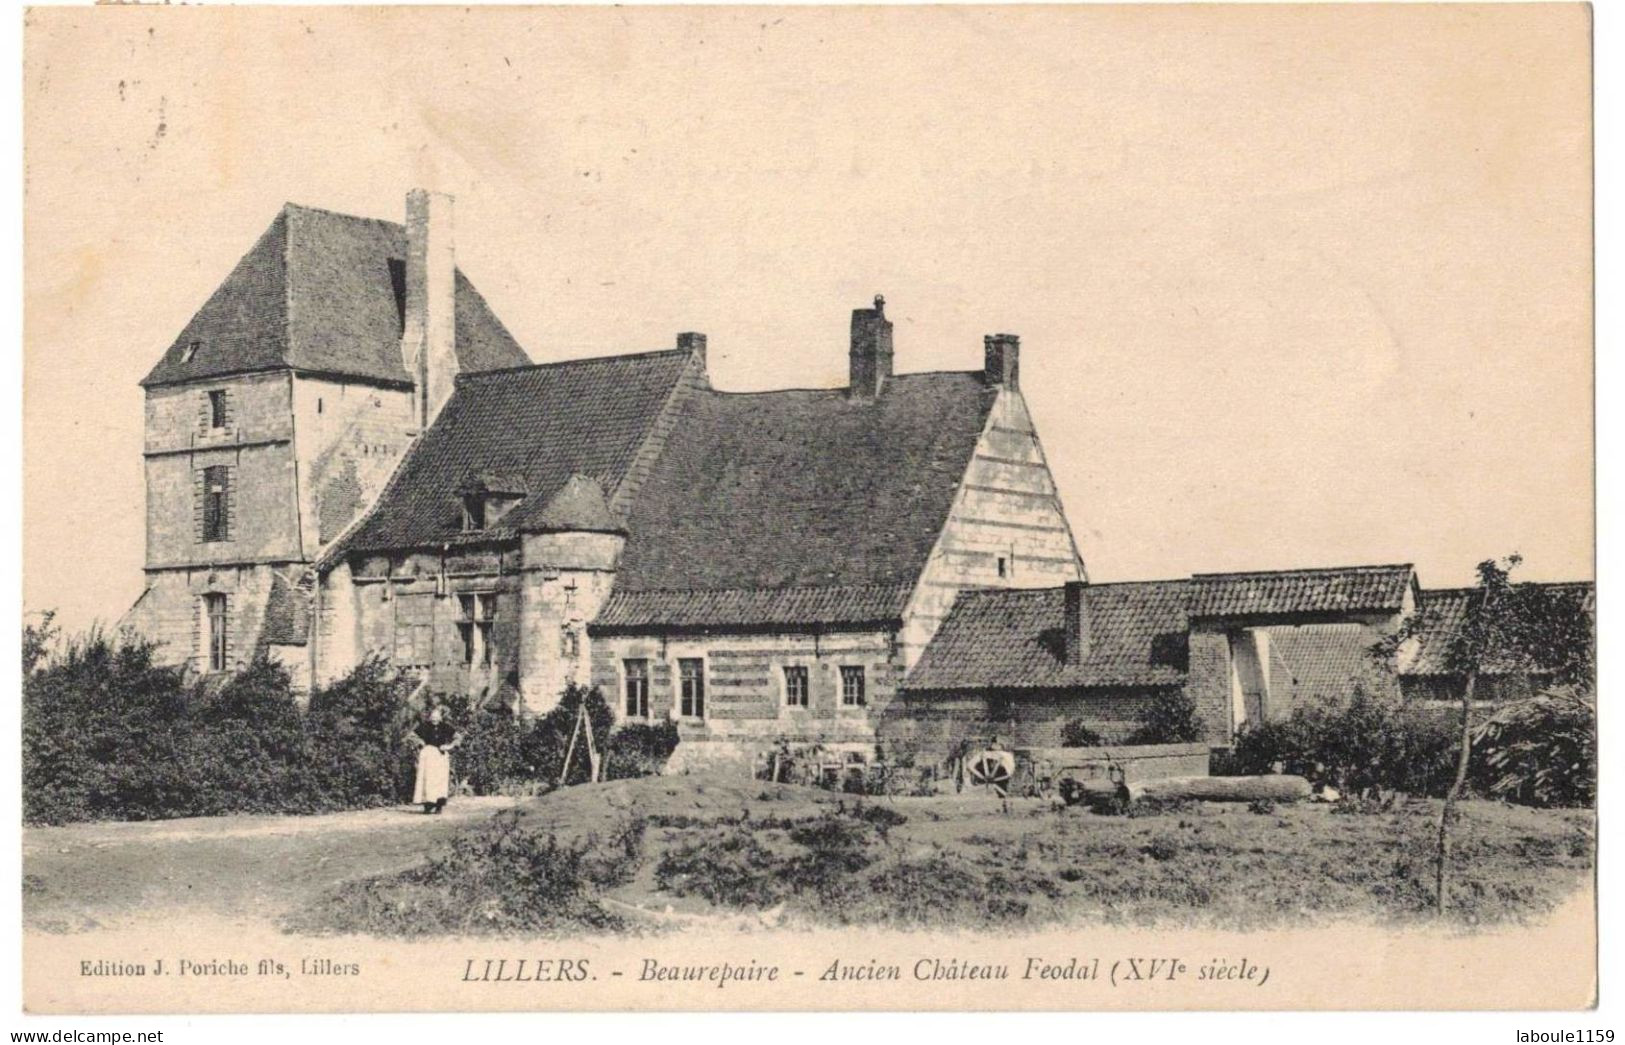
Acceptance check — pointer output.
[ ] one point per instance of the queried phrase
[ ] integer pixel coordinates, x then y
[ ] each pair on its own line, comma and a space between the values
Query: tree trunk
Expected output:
1448, 813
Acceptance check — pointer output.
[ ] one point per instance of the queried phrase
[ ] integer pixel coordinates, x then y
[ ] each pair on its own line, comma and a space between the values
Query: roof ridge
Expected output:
839, 390
776, 587
1306, 569
289, 205
472, 375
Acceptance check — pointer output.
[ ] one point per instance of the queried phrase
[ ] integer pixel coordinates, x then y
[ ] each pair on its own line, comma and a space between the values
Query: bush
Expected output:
1076, 734
1170, 718
1541, 752
636, 749
244, 748
101, 724
1359, 745
358, 728
544, 746
488, 759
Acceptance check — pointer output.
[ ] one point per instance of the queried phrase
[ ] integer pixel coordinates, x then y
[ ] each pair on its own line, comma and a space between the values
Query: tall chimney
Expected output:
870, 358
1001, 354
1076, 624
429, 334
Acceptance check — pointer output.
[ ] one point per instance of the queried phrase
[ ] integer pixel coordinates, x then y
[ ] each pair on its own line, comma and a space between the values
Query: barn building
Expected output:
1244, 647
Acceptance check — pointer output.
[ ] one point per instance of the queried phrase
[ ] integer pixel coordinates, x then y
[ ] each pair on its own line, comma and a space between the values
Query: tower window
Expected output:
214, 608
1004, 567
216, 503
217, 409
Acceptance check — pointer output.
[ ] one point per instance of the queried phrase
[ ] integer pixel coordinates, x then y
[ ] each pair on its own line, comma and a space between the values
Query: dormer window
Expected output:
190, 350
486, 509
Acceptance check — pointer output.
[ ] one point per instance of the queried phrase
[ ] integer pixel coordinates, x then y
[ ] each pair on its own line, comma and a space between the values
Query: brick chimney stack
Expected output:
1076, 624
1001, 354
870, 360
429, 334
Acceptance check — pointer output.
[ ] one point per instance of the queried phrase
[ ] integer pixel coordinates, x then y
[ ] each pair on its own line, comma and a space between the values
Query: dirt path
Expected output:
88, 876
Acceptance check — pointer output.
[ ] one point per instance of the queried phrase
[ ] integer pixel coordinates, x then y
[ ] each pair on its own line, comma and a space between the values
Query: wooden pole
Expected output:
592, 747
569, 751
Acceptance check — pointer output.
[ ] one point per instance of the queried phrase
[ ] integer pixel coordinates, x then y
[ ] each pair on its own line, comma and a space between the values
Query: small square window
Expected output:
795, 686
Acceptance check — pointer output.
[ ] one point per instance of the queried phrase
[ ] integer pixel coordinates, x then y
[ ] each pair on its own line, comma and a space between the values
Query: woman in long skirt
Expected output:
435, 738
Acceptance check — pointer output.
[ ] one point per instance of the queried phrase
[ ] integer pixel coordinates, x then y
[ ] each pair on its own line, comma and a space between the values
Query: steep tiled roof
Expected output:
805, 489
323, 292
1347, 589
1016, 639
536, 426
751, 608
1445, 610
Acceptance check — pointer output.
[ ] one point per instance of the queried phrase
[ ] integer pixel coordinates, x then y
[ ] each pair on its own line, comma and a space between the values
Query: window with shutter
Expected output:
216, 494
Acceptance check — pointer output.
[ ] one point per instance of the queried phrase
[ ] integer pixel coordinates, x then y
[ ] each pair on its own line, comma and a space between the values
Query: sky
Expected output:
1295, 286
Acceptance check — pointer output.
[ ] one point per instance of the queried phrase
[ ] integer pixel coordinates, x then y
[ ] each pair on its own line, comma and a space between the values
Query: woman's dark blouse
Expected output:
437, 733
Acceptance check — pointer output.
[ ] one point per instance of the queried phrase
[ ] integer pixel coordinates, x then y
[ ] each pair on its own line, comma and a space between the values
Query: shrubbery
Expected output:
1170, 718
1357, 745
110, 735
1542, 751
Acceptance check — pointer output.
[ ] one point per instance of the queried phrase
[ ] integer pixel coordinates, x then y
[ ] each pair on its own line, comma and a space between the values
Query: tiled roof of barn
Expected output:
1343, 589
536, 425
1320, 660
1444, 611
772, 491
1015, 639
323, 293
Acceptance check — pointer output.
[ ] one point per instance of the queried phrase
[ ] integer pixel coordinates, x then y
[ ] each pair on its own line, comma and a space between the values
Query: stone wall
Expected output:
348, 438
255, 448
934, 724
745, 685
171, 612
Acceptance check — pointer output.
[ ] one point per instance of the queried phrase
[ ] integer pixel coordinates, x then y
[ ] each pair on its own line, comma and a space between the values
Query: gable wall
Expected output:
1007, 506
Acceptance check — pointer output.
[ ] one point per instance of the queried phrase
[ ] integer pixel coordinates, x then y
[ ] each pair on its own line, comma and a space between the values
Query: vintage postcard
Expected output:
1064, 507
